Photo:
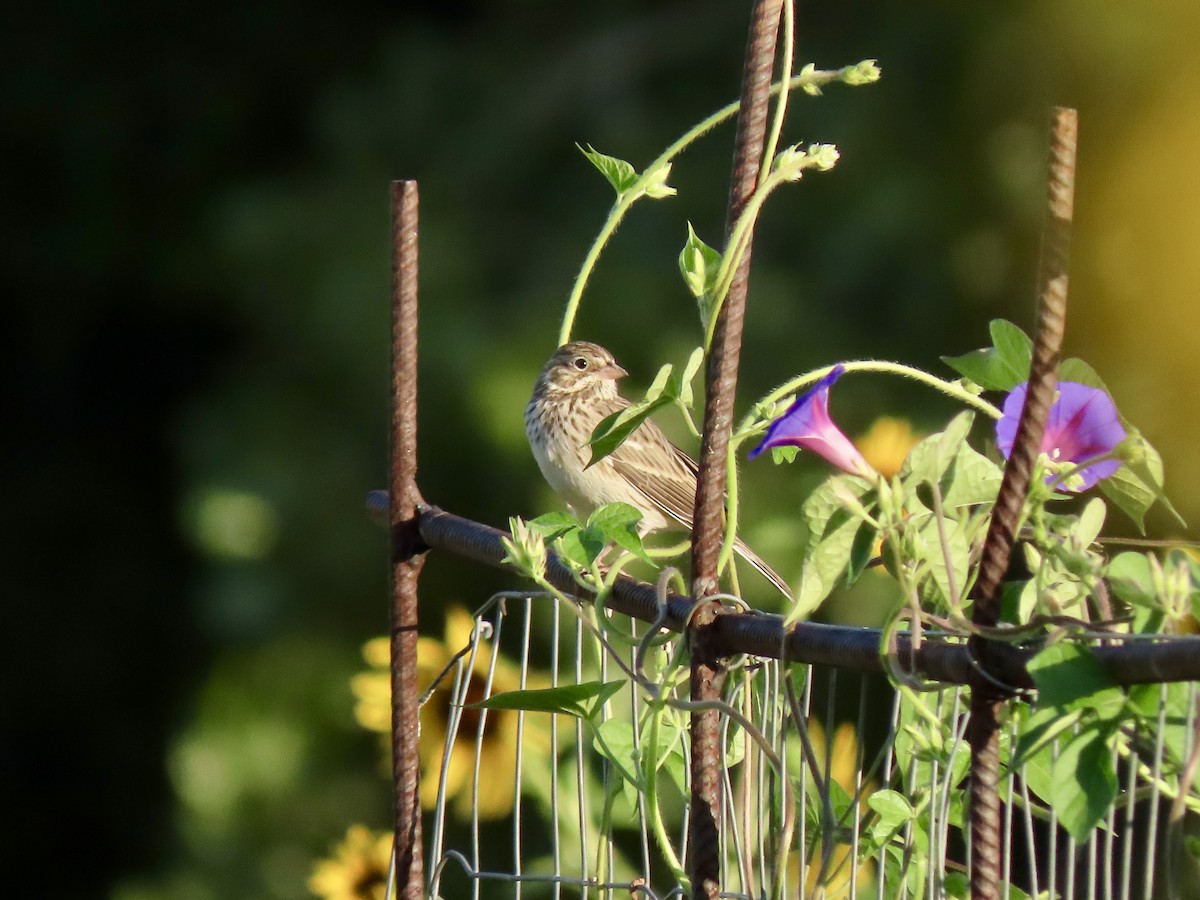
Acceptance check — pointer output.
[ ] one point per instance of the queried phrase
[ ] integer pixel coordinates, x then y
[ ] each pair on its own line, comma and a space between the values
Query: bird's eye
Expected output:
580, 363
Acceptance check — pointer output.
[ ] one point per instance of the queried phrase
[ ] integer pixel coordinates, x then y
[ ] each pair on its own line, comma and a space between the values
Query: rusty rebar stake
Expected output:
707, 670
406, 547
986, 700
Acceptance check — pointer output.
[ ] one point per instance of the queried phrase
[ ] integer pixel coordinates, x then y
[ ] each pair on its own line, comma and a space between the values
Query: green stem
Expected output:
739, 238
804, 79
1064, 476
949, 388
624, 201
731, 506
781, 104
650, 776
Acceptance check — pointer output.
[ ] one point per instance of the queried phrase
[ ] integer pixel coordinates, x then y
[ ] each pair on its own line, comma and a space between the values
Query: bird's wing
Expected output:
660, 470
671, 485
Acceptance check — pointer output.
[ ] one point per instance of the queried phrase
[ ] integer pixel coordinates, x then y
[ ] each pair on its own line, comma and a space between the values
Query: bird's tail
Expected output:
766, 571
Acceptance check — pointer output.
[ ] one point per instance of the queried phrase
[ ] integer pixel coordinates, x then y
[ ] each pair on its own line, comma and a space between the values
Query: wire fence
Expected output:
845, 737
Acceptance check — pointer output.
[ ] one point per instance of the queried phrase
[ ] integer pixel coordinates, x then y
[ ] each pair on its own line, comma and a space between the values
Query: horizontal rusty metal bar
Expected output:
845, 647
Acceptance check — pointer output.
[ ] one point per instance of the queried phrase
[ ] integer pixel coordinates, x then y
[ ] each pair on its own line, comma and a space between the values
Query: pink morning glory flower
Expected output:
1083, 424
807, 425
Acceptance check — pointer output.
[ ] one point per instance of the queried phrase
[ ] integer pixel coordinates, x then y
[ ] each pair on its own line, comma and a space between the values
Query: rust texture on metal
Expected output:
841, 646
986, 700
406, 545
707, 670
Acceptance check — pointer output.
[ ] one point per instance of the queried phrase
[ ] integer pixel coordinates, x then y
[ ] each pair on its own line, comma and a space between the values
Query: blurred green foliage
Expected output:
197, 246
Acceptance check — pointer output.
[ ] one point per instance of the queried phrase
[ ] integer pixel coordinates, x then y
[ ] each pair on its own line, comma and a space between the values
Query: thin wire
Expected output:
888, 760
635, 704
1007, 865
729, 832
606, 764
934, 876
1069, 854
1110, 831
908, 831
755, 785
1030, 840
828, 822
555, 824
524, 681
859, 764
772, 783
1127, 836
1092, 868
960, 731
497, 628
1052, 831
1155, 793
805, 716
580, 763
453, 715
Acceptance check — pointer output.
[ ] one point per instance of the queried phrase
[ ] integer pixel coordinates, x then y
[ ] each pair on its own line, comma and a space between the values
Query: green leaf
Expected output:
956, 886
1091, 521
1000, 367
695, 361
620, 174
613, 430
1039, 730
552, 524
1174, 703
617, 523
973, 479
830, 537
614, 740
931, 550
1130, 494
785, 454
1014, 349
1148, 467
932, 456
1084, 785
1138, 483
655, 186
894, 813
1038, 773
1067, 675
861, 551
1077, 370
581, 545
578, 700
698, 264
1191, 843
1132, 579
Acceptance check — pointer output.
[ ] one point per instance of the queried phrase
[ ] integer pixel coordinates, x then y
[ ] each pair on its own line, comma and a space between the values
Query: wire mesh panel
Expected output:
836, 784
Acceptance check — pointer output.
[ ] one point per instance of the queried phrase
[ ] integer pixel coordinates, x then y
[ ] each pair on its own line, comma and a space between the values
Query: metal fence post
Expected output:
406, 546
708, 672
987, 698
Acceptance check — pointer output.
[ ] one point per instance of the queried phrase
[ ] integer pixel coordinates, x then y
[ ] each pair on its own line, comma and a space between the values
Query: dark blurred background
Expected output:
196, 250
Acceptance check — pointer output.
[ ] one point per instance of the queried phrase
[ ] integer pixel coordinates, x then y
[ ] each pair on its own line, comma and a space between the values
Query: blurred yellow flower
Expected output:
373, 689
886, 443
831, 881
359, 868
495, 790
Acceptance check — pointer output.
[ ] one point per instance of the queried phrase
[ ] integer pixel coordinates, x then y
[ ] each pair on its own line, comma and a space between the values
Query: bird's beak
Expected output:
611, 372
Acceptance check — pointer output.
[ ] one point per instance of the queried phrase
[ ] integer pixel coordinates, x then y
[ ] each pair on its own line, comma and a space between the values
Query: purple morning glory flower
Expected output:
1083, 424
807, 425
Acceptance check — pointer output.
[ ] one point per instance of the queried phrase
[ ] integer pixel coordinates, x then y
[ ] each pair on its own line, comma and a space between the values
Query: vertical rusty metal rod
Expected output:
986, 700
707, 671
406, 555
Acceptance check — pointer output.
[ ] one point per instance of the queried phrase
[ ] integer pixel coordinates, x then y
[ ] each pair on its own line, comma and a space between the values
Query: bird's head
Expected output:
581, 365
